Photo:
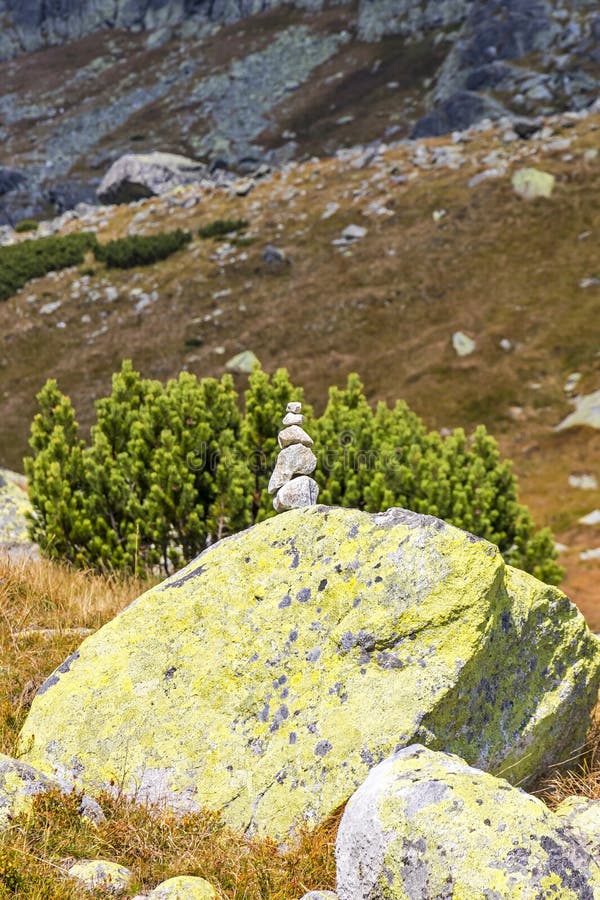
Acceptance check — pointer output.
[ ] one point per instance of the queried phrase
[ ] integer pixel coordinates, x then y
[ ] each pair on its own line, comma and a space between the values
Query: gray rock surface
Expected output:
139, 175
20, 782
582, 817
426, 826
294, 434
298, 492
294, 460
586, 412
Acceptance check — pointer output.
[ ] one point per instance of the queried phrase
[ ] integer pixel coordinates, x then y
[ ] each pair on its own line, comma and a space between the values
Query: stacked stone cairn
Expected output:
290, 481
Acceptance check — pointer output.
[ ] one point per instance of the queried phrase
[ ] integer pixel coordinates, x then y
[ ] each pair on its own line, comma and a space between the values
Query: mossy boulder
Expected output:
184, 887
19, 784
426, 826
581, 816
102, 875
271, 674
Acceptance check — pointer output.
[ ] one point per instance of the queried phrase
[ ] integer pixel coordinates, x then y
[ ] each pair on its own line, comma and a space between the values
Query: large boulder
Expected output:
267, 677
138, 175
426, 826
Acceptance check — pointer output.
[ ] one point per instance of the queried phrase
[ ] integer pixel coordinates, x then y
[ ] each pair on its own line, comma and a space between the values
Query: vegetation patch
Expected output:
222, 227
26, 225
126, 253
21, 262
170, 469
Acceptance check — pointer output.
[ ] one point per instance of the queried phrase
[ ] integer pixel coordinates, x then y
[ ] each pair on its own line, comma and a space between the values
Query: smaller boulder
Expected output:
587, 412
463, 344
184, 887
582, 817
427, 826
532, 183
101, 874
19, 784
320, 895
137, 175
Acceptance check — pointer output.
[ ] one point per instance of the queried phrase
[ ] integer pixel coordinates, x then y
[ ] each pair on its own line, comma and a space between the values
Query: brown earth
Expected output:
491, 265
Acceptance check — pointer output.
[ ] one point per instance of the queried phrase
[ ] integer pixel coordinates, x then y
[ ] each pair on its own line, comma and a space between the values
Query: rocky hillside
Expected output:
82, 83
374, 261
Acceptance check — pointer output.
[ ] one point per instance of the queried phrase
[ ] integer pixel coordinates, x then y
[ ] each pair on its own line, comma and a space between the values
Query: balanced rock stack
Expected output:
290, 481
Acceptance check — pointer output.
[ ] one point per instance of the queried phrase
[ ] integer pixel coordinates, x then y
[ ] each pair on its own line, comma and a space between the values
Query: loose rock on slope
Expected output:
271, 674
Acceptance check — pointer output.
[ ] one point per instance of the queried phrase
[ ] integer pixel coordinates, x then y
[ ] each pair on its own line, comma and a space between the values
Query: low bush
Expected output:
170, 469
26, 225
126, 253
21, 262
222, 227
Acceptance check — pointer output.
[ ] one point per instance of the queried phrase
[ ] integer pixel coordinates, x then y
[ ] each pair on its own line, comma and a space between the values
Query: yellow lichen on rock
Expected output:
14, 508
269, 676
184, 887
425, 824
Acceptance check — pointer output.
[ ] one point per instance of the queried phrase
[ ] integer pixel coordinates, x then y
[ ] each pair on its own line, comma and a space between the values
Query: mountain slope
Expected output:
449, 247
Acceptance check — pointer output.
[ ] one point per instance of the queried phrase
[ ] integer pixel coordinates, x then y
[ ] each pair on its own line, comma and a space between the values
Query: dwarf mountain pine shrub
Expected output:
26, 225
21, 262
221, 227
136, 250
170, 469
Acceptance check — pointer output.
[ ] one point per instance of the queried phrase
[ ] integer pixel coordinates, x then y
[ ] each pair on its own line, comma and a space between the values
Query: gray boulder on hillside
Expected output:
138, 175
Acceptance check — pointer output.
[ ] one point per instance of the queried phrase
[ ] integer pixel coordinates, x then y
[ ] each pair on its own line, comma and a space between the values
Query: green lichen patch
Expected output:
425, 824
268, 677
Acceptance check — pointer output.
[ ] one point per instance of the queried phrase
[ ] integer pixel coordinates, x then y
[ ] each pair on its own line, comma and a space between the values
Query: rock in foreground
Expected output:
271, 674
426, 826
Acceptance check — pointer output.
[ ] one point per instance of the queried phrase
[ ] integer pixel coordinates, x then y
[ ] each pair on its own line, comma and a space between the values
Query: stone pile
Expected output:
290, 481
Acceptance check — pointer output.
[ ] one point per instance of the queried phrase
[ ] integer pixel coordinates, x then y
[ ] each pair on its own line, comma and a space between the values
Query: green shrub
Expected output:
221, 227
26, 225
125, 253
21, 262
171, 469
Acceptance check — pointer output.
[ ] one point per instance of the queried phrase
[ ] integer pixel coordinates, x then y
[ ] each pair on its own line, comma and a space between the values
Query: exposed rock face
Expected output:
139, 175
426, 826
10, 179
271, 674
37, 23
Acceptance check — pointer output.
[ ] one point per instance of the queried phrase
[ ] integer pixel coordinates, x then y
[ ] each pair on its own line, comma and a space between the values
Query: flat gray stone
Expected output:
294, 435
298, 492
293, 419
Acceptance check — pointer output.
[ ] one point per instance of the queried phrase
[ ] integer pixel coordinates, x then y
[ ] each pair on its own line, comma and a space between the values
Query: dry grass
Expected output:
45, 611
578, 776
157, 845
